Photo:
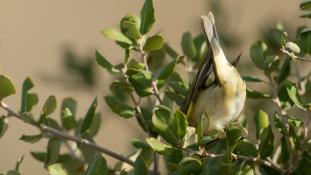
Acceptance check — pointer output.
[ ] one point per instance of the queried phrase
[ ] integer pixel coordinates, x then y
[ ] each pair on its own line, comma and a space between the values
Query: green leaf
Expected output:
153, 43
179, 87
181, 118
4, 124
141, 81
304, 164
130, 25
177, 98
31, 138
158, 146
147, 17
57, 169
251, 79
49, 106
274, 65
295, 121
261, 122
166, 71
285, 71
188, 46
170, 51
139, 144
306, 5
102, 61
258, 52
284, 157
53, 150
7, 87
255, 94
170, 127
13, 172
266, 145
87, 152
89, 116
68, 113
28, 99
95, 126
243, 169
98, 166
246, 148
19, 162
293, 95
200, 45
305, 42
307, 15
40, 156
121, 86
188, 165
117, 36
119, 107
233, 135
140, 167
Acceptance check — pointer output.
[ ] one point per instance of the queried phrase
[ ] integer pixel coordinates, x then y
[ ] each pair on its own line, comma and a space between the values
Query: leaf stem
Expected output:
65, 136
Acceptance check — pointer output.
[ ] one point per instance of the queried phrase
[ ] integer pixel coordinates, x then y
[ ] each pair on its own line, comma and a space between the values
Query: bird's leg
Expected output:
244, 132
202, 151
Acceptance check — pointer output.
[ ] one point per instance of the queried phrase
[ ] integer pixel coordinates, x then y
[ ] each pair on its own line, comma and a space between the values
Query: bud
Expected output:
293, 47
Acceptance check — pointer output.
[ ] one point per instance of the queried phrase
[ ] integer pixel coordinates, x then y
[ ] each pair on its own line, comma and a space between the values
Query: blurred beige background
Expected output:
33, 32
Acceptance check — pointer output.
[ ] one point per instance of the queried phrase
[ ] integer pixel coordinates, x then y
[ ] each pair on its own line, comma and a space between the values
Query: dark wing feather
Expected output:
199, 80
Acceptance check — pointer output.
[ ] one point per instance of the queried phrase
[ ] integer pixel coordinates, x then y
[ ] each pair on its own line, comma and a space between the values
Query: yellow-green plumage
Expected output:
222, 101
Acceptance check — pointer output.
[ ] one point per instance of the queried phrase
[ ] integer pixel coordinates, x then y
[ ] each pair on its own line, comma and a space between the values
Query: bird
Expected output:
214, 102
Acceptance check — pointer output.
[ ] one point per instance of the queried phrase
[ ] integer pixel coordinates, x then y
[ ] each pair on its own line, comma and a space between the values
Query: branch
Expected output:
143, 56
293, 56
251, 159
283, 114
65, 136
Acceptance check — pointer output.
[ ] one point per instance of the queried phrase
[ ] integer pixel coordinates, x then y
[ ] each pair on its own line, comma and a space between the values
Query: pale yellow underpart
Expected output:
221, 104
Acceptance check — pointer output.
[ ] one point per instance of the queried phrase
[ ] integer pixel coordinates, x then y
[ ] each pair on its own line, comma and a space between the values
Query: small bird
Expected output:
214, 104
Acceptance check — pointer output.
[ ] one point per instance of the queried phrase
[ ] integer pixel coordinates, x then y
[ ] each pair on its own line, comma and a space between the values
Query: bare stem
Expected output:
252, 159
155, 163
66, 136
283, 114
153, 82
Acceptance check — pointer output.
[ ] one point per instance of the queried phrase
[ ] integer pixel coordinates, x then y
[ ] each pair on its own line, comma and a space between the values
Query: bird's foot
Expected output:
222, 134
202, 151
244, 132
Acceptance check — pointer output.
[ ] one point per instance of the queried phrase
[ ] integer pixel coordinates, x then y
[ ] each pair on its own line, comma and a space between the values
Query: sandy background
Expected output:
33, 32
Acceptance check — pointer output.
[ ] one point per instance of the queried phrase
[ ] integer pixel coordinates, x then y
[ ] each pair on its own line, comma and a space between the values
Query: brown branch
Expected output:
251, 159
66, 136
283, 114
143, 56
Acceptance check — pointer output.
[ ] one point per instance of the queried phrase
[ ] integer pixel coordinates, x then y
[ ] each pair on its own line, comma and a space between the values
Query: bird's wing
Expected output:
206, 66
199, 80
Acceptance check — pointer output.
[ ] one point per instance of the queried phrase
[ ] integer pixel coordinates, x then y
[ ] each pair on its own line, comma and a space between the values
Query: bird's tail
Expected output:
209, 27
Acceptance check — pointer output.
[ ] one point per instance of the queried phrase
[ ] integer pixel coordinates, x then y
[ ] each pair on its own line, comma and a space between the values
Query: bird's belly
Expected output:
220, 112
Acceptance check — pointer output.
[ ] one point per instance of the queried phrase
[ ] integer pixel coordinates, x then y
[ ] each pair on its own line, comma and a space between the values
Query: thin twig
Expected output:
155, 163
136, 102
143, 56
66, 136
283, 114
156, 93
252, 159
